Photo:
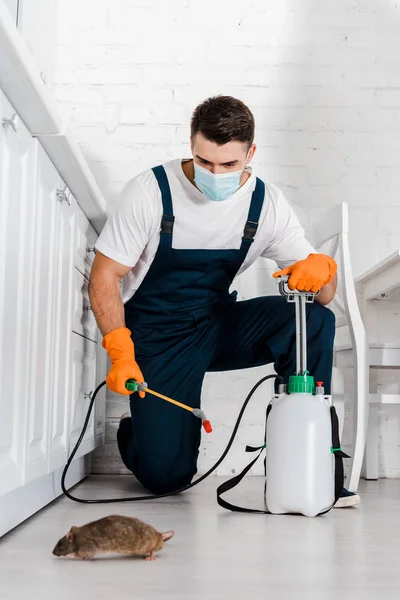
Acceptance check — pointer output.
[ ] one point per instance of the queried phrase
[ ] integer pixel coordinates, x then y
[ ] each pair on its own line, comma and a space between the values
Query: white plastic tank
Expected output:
299, 461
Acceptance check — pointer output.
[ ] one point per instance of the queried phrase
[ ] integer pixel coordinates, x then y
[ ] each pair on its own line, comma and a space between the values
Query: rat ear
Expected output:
167, 535
70, 533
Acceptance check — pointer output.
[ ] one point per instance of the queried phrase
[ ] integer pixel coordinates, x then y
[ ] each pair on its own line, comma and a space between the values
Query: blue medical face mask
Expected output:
216, 187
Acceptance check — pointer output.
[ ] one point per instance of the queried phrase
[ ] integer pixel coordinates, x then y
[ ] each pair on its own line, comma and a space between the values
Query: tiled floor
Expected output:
349, 554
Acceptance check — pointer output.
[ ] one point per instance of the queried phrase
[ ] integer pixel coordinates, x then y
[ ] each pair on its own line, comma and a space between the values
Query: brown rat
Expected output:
123, 535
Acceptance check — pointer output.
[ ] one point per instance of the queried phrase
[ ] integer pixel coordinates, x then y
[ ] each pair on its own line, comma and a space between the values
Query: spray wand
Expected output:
134, 386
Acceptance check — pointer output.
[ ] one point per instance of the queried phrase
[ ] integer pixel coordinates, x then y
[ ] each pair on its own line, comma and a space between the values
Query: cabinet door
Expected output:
17, 158
43, 319
83, 385
65, 225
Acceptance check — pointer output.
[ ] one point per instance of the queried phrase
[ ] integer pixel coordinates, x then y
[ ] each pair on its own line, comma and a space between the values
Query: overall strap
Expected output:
253, 217
167, 221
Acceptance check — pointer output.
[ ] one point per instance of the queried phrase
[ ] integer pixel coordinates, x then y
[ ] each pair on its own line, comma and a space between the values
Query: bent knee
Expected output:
322, 314
321, 320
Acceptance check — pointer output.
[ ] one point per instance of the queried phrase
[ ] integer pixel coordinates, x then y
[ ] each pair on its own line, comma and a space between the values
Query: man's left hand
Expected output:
310, 274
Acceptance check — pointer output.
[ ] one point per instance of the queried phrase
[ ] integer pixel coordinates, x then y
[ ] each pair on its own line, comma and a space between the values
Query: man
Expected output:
179, 236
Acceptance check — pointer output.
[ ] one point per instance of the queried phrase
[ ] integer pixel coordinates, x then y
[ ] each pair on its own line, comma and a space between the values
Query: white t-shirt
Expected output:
131, 234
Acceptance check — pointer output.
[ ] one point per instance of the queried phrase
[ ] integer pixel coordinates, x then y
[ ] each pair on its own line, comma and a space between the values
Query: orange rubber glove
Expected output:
121, 351
310, 274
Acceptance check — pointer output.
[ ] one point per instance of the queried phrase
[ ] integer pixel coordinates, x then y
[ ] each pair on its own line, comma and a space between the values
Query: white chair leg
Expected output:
371, 449
360, 419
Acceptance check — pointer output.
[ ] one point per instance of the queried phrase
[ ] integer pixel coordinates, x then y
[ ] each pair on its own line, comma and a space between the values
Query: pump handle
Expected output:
300, 299
285, 291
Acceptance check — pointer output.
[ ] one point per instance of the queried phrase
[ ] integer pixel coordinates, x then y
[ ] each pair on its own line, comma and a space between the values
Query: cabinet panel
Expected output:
100, 407
17, 158
42, 357
64, 295
83, 384
84, 321
85, 241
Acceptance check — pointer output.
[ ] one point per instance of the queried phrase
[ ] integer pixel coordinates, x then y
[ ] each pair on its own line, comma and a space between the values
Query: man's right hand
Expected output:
121, 351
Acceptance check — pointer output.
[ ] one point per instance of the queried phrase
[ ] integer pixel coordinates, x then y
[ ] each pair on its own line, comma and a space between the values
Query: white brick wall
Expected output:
323, 82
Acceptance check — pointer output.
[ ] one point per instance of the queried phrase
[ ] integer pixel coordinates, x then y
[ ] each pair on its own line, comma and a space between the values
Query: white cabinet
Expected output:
50, 360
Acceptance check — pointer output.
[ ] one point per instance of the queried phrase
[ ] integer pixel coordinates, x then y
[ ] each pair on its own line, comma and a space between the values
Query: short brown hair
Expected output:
223, 119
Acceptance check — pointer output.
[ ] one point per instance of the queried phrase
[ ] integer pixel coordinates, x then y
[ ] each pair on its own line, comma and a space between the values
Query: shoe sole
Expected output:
347, 501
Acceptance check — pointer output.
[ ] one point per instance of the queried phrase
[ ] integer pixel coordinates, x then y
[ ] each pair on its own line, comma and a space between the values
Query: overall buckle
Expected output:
250, 230
167, 224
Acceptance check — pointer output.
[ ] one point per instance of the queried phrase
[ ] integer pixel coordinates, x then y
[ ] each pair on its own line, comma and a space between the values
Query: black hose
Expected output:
153, 496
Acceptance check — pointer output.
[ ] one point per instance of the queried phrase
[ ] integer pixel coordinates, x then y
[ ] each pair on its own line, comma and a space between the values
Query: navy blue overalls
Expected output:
184, 322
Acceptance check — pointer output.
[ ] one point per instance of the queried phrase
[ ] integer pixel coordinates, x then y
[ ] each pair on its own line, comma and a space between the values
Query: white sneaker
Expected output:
347, 499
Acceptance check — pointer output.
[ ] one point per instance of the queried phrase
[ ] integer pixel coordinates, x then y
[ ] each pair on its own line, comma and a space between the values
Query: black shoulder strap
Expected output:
234, 481
338, 453
253, 217
167, 221
231, 483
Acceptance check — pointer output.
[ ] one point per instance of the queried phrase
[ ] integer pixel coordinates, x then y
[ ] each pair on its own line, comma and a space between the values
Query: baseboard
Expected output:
21, 503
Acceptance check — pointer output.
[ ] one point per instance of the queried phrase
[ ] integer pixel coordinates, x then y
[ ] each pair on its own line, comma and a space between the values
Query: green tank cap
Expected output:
301, 384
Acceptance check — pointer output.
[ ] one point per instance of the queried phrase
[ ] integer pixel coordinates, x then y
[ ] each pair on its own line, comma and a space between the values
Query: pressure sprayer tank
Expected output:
300, 464
299, 461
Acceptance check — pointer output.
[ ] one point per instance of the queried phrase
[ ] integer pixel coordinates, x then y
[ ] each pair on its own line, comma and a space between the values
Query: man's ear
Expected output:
251, 153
